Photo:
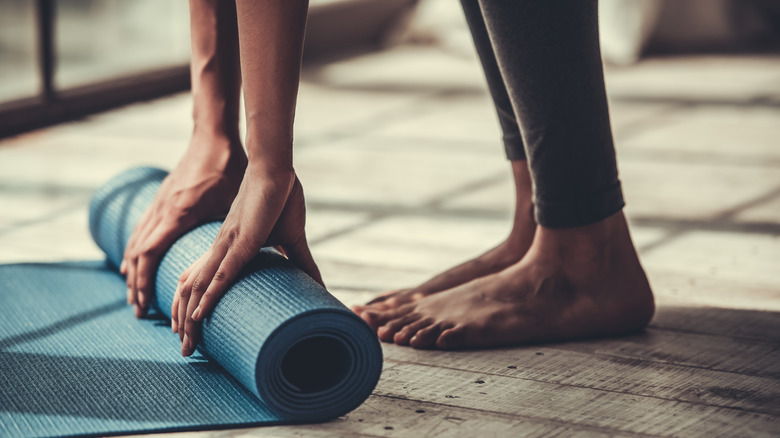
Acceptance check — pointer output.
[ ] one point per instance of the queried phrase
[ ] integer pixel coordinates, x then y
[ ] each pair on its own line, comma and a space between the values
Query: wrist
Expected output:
272, 176
214, 116
215, 151
271, 156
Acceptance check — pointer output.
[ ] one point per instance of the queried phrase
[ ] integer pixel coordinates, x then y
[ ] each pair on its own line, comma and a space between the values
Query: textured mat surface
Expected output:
74, 360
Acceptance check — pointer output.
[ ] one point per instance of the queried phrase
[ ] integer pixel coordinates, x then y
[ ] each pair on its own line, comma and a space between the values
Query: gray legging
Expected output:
543, 68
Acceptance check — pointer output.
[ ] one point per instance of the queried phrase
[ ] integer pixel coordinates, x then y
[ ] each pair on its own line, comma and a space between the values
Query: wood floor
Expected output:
400, 156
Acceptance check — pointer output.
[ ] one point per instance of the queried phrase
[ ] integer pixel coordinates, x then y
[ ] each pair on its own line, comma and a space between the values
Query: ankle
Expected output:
593, 242
523, 226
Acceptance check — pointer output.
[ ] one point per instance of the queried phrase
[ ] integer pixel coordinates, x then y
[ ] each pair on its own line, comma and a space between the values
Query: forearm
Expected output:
215, 71
271, 36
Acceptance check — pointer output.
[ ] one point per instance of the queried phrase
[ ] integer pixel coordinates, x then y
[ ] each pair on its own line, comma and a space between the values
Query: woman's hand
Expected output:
269, 210
202, 187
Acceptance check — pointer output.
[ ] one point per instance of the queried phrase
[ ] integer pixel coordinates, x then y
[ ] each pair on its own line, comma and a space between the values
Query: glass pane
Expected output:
104, 39
18, 52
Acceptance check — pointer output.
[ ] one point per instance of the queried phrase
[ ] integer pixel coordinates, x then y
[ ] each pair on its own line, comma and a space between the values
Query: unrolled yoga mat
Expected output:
74, 360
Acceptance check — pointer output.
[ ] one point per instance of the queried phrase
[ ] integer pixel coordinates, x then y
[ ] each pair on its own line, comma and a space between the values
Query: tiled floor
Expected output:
404, 173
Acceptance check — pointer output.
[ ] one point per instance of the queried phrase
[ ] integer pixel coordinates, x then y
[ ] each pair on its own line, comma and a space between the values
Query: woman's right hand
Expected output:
269, 210
201, 187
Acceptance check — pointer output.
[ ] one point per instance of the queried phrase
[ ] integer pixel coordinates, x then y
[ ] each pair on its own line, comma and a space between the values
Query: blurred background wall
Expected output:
62, 59
631, 29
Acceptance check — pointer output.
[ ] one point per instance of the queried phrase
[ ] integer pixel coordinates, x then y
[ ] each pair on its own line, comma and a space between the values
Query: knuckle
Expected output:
209, 297
230, 236
185, 292
197, 286
190, 323
221, 275
147, 251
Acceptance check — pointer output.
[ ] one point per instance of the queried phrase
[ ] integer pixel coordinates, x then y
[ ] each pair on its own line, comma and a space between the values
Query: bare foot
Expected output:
573, 283
496, 259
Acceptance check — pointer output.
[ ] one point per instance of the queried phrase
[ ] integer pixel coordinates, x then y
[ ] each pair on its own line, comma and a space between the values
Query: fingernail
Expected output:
142, 300
129, 292
122, 266
174, 326
196, 314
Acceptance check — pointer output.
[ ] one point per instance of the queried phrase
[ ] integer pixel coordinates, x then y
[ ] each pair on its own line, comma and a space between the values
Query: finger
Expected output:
175, 304
181, 308
300, 254
138, 231
222, 279
148, 222
185, 283
183, 298
212, 280
145, 281
192, 328
175, 309
133, 254
185, 295
129, 296
161, 238
131, 282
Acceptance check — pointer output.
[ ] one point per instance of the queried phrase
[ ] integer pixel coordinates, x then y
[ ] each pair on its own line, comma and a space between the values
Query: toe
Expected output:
394, 299
426, 337
388, 303
452, 338
387, 331
383, 297
377, 318
403, 336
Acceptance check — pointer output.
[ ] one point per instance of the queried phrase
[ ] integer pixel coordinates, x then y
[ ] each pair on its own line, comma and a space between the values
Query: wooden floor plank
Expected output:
580, 406
719, 353
629, 376
392, 416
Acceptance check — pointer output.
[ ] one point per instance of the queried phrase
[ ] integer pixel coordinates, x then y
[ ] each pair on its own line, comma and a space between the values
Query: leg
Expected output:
516, 244
581, 277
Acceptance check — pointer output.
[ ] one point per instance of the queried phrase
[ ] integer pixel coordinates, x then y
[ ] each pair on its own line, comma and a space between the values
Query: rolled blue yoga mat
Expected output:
277, 349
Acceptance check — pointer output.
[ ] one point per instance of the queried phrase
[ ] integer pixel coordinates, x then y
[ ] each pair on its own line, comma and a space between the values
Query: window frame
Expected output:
54, 106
